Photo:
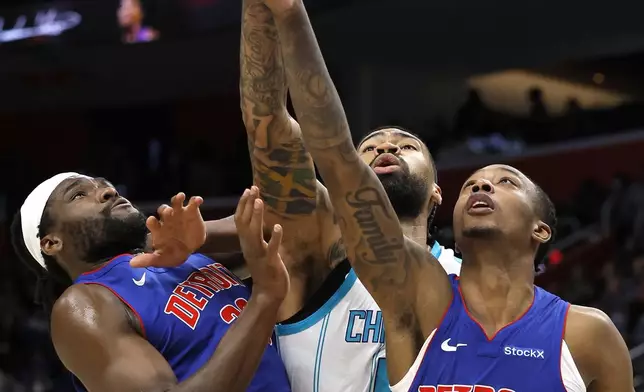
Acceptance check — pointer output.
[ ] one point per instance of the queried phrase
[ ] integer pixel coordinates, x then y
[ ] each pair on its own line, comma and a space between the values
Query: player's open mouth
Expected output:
480, 204
386, 163
121, 203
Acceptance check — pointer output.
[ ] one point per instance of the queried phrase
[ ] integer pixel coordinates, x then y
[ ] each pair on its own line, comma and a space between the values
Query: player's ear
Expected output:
51, 244
436, 195
541, 232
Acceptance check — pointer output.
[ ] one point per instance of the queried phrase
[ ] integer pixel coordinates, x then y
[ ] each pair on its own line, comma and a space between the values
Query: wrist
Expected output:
280, 14
265, 300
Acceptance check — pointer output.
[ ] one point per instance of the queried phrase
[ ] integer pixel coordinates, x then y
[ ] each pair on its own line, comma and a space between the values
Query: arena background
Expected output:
554, 88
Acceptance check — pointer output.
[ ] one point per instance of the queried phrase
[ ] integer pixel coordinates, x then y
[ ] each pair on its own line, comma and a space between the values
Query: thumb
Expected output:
143, 260
276, 240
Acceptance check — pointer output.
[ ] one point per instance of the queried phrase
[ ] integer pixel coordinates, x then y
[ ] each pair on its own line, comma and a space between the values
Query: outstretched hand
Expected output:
179, 232
270, 277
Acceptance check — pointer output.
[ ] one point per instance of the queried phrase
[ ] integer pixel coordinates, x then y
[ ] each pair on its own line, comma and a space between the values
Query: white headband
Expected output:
32, 210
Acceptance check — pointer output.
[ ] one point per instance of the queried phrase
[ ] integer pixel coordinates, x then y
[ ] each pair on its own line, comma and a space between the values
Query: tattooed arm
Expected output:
282, 169
390, 266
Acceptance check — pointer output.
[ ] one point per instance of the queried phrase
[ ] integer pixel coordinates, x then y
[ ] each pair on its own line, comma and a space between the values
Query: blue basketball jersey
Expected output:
524, 356
185, 311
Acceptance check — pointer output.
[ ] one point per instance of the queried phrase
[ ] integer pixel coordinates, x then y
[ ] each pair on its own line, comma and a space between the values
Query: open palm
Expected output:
179, 232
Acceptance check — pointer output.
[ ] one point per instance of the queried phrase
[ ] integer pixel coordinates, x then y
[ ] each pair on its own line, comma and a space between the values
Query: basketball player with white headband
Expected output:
118, 328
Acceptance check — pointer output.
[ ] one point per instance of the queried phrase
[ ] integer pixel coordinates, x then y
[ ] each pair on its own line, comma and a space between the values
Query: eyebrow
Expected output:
369, 136
406, 135
72, 184
396, 132
103, 180
512, 171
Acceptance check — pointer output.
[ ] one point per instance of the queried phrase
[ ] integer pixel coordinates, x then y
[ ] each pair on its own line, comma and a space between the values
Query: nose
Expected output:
387, 147
107, 194
483, 185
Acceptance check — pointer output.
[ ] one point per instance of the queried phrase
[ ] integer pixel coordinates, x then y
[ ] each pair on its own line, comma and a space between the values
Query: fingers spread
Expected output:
241, 206
194, 203
248, 208
164, 211
177, 201
153, 224
276, 240
257, 221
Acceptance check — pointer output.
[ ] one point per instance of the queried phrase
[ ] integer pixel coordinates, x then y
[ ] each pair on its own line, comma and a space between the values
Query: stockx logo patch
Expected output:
530, 353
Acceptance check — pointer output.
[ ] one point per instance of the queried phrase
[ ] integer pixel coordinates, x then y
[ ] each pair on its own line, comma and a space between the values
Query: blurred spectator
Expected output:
622, 214
538, 111
471, 118
572, 122
130, 18
580, 290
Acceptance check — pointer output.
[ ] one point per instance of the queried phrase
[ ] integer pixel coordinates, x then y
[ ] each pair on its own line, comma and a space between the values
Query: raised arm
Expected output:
97, 341
282, 169
389, 265
384, 260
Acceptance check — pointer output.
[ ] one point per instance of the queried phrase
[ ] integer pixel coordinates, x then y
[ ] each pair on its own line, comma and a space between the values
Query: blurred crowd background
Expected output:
144, 93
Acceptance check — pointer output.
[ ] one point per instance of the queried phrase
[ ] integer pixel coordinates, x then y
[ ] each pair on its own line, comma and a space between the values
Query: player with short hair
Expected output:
328, 319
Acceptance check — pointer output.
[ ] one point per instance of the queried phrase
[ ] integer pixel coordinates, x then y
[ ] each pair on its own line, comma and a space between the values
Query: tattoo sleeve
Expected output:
282, 169
370, 228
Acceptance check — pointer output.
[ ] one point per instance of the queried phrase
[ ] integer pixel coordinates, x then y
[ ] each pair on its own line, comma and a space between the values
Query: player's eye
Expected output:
506, 180
408, 147
368, 149
468, 184
78, 195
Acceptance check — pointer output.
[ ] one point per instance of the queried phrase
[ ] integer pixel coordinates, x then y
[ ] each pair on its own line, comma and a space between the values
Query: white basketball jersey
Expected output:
341, 346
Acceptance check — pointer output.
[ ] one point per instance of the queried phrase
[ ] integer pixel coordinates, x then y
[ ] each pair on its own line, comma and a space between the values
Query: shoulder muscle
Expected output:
94, 339
599, 350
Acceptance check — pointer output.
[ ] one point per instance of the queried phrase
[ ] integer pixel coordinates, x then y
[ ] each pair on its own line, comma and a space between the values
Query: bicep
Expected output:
94, 340
614, 366
599, 350
125, 363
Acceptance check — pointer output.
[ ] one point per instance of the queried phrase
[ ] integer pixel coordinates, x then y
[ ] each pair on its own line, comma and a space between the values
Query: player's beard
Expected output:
481, 232
408, 193
105, 236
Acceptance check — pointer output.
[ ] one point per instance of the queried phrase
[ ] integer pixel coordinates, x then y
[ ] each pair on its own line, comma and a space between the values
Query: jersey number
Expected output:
229, 313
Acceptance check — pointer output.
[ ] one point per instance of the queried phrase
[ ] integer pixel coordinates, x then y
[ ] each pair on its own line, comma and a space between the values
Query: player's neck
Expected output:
497, 283
80, 267
415, 229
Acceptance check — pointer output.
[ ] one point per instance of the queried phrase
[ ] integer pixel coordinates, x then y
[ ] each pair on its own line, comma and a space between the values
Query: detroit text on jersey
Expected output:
186, 306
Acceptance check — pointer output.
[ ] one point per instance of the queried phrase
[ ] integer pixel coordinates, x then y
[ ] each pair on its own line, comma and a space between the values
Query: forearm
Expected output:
239, 353
370, 228
221, 237
282, 169
315, 99
262, 82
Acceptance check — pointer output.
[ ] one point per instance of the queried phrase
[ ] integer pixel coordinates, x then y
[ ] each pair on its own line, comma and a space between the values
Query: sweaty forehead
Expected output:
389, 132
76, 182
500, 169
